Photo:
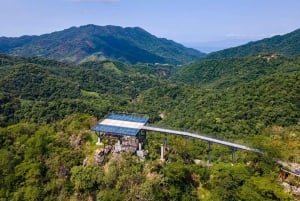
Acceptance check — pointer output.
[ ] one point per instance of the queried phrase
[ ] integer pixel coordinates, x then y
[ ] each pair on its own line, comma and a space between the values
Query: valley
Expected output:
51, 99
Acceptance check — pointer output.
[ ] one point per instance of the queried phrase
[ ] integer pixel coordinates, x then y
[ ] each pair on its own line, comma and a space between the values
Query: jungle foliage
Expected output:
48, 107
287, 44
97, 43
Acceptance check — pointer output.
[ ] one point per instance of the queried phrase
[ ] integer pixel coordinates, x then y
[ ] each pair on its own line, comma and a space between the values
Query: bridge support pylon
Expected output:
162, 149
208, 152
141, 138
118, 146
100, 137
233, 150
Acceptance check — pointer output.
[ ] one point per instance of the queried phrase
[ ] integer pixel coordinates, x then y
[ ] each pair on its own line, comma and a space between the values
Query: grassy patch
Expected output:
89, 93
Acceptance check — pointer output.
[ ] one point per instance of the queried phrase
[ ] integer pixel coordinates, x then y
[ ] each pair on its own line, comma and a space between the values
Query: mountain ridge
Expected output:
227, 72
287, 44
129, 44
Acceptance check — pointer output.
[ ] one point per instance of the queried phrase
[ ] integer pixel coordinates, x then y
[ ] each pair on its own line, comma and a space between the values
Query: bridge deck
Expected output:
200, 137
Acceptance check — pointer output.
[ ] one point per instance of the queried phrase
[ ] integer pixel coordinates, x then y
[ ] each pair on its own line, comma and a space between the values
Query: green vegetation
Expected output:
287, 44
47, 108
98, 43
233, 71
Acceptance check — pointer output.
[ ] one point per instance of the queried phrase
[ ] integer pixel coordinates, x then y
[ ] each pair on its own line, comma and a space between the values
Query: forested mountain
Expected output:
288, 44
231, 71
91, 42
42, 84
47, 107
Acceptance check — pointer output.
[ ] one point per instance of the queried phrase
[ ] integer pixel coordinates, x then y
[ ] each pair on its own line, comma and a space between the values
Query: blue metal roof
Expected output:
121, 124
126, 117
116, 130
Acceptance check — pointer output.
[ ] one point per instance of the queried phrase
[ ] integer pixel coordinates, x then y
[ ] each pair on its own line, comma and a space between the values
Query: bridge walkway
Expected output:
200, 137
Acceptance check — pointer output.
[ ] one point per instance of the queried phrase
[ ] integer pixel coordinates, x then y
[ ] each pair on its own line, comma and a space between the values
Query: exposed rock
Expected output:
85, 162
197, 161
76, 141
162, 115
141, 154
100, 154
63, 171
291, 189
129, 144
107, 149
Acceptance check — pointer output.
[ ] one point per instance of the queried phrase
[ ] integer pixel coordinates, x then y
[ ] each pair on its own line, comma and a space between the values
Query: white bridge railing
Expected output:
200, 137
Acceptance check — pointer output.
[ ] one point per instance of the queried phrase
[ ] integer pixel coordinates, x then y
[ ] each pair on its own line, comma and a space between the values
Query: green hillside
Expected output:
91, 42
47, 151
39, 85
288, 44
231, 71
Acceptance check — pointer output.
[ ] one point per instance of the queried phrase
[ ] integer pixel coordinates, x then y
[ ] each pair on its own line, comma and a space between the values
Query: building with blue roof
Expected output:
121, 125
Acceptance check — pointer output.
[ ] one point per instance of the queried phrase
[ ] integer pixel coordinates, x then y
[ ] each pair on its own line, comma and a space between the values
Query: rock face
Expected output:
100, 154
295, 190
128, 144
76, 141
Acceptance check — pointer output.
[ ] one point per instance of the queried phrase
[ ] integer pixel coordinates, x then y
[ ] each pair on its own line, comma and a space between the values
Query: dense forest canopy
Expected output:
287, 44
47, 109
91, 42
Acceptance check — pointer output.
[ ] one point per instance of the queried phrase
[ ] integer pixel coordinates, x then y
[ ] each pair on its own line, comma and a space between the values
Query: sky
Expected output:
207, 25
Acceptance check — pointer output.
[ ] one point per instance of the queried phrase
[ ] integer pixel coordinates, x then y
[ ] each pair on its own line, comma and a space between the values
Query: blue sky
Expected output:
204, 24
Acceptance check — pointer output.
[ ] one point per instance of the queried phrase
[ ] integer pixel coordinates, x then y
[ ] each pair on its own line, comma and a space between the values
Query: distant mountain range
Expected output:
133, 45
244, 63
288, 44
91, 42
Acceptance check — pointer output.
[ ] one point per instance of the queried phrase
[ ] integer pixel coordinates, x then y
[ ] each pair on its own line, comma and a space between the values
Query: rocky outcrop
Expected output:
100, 154
295, 190
76, 141
128, 145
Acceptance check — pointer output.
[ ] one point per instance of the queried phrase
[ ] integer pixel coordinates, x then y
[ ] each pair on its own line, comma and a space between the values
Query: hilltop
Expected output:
91, 42
287, 44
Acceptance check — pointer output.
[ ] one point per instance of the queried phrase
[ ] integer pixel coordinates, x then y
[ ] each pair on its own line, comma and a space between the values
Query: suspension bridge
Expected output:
136, 126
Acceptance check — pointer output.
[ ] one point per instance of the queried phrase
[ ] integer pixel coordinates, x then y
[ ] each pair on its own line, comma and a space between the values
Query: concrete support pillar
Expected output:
233, 155
99, 141
162, 149
208, 152
118, 146
99, 135
140, 153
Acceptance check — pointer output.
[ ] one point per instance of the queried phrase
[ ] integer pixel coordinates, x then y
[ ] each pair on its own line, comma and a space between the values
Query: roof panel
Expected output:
126, 117
116, 130
121, 124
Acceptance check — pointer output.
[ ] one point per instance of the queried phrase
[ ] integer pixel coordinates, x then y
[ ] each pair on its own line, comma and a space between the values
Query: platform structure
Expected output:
122, 125
136, 126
